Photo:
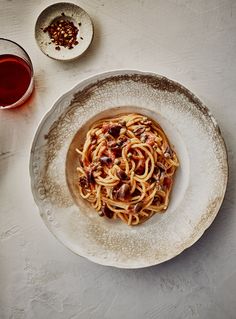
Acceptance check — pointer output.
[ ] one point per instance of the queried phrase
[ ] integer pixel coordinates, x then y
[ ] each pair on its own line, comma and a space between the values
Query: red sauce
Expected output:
15, 77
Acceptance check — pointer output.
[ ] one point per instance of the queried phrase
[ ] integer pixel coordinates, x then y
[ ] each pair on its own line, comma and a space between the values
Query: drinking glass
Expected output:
16, 75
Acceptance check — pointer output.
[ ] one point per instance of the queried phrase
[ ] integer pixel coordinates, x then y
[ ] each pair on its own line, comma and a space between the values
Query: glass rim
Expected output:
8, 40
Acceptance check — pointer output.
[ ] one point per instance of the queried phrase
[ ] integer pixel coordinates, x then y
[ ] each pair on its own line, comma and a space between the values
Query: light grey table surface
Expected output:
191, 41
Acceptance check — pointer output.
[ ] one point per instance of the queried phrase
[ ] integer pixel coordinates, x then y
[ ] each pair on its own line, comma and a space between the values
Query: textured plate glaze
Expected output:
199, 186
72, 13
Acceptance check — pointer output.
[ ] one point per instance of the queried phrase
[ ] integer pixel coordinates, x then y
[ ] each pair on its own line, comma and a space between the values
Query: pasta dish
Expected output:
126, 168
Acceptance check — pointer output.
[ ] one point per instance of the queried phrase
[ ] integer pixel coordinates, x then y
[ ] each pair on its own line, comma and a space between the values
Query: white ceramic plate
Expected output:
199, 186
74, 14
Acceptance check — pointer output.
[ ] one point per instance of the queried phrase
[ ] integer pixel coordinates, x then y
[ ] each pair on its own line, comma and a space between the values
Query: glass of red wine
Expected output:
16, 75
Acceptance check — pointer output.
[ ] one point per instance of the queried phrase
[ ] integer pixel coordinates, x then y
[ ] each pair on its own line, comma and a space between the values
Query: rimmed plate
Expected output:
65, 11
200, 182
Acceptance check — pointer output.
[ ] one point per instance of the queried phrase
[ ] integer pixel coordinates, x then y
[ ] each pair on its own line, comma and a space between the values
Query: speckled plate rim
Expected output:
93, 79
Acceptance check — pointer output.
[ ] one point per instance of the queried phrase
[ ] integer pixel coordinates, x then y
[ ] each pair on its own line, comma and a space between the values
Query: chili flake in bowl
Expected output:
63, 31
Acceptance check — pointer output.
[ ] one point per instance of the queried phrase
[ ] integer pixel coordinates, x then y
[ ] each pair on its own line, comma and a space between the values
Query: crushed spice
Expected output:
63, 33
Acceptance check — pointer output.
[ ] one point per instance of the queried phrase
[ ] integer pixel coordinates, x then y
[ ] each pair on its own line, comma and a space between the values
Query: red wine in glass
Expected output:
15, 78
16, 74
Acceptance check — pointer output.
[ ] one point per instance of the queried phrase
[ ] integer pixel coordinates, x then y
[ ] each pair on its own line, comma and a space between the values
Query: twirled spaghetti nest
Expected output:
126, 168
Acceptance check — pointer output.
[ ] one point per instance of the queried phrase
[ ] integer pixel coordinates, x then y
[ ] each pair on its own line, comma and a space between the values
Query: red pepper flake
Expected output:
63, 33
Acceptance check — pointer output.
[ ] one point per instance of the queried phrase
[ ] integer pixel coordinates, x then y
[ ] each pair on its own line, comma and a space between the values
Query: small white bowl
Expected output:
73, 13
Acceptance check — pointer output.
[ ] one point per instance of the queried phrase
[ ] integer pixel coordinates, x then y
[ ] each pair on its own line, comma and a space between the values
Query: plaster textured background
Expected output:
193, 42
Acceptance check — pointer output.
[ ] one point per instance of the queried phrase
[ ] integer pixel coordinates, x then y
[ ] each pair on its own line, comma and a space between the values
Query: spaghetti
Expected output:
126, 168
